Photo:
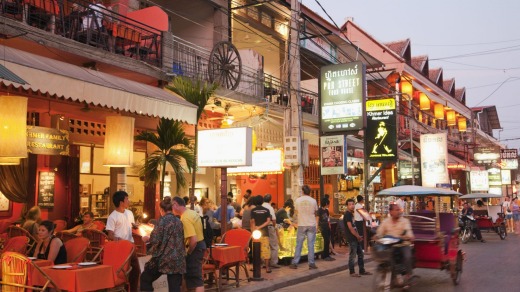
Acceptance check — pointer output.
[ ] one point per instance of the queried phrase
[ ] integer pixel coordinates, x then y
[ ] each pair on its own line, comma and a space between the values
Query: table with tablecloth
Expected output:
225, 257
79, 278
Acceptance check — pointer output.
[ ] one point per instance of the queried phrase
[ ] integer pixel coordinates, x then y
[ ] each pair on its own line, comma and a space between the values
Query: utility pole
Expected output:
295, 121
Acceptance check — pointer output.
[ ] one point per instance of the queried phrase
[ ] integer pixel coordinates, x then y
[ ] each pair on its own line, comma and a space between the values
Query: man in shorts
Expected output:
194, 237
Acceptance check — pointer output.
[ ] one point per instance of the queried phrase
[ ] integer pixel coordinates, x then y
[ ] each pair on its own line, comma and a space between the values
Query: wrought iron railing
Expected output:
92, 24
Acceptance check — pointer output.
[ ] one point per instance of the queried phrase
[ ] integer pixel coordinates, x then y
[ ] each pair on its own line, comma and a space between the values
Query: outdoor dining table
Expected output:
78, 278
225, 257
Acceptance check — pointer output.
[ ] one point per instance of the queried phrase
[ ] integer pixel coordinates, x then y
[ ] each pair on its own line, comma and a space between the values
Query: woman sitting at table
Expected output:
166, 245
50, 247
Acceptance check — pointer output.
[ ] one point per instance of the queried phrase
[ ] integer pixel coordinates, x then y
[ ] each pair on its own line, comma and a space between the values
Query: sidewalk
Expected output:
285, 277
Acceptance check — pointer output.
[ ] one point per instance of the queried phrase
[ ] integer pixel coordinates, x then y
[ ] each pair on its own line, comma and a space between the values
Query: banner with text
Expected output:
333, 154
434, 159
486, 156
381, 131
479, 180
342, 97
509, 159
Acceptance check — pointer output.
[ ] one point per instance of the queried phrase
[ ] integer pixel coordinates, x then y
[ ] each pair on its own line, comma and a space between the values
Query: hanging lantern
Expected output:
424, 102
450, 118
119, 141
438, 110
13, 126
407, 90
462, 124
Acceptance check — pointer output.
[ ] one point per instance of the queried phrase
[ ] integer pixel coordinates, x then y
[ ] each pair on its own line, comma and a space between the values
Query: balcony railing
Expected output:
92, 24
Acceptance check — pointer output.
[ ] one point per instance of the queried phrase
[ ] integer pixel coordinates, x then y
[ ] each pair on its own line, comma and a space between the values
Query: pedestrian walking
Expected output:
306, 210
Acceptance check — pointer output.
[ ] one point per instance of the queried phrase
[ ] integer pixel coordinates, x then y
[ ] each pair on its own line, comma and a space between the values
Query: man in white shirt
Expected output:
273, 236
306, 210
121, 220
359, 221
402, 204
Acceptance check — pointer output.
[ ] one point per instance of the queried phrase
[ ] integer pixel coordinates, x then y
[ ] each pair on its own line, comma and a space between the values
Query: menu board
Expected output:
46, 189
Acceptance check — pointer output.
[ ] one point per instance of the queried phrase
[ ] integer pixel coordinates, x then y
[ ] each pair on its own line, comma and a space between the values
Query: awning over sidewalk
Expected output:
64, 80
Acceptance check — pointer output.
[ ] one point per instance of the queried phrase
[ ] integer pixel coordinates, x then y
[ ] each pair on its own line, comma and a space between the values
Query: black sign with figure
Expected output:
46, 189
381, 130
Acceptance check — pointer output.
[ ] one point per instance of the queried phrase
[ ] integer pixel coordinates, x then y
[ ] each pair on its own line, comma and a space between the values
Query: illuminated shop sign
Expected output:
486, 155
381, 130
225, 147
264, 162
494, 177
479, 180
333, 154
434, 159
342, 97
509, 159
47, 141
506, 176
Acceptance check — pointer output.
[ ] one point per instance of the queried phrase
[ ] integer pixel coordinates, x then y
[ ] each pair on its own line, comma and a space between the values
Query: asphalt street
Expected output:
492, 266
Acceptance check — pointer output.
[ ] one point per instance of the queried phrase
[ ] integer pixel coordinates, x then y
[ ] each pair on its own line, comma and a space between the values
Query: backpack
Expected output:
207, 231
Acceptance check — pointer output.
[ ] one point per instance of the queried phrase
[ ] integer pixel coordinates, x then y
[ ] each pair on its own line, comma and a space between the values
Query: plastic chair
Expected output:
16, 244
76, 249
65, 236
60, 225
15, 271
140, 246
239, 237
13, 231
97, 241
118, 254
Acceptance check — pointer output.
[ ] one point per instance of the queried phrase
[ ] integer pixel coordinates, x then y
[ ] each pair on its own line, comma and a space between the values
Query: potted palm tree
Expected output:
172, 147
197, 93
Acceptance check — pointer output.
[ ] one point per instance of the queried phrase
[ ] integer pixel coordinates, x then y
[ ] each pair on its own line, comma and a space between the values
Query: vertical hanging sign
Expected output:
434, 159
381, 130
342, 97
333, 154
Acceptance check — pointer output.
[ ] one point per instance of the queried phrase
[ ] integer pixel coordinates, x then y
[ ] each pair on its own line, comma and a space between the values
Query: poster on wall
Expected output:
479, 180
506, 176
434, 159
46, 189
342, 97
381, 130
333, 154
494, 177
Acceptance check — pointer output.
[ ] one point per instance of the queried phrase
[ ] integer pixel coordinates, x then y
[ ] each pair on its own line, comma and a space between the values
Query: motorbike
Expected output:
466, 224
390, 271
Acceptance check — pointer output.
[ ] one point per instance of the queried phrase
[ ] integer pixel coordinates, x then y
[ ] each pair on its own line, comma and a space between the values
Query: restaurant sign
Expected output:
264, 162
434, 159
494, 177
381, 130
486, 155
342, 97
47, 141
225, 147
479, 180
333, 154
46, 189
509, 159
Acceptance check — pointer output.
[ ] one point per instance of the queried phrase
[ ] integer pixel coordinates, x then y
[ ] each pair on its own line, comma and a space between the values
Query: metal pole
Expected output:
411, 138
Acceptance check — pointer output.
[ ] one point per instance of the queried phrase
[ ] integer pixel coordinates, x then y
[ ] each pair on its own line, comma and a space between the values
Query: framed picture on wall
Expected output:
6, 206
200, 193
84, 202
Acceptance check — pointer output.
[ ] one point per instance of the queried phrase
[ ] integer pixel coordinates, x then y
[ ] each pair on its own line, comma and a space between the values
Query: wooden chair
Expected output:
13, 231
15, 272
239, 237
118, 254
76, 249
140, 246
209, 270
97, 242
59, 225
65, 236
16, 244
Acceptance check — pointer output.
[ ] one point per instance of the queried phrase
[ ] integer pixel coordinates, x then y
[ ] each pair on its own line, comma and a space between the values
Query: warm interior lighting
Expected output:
119, 141
450, 117
462, 124
9, 161
407, 90
13, 126
438, 110
424, 102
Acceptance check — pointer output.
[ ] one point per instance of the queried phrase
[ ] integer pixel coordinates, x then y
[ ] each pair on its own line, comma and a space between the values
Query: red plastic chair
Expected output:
118, 254
76, 249
239, 237
60, 225
16, 244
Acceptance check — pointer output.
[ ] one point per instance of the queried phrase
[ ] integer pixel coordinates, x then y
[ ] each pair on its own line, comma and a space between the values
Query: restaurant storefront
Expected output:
69, 109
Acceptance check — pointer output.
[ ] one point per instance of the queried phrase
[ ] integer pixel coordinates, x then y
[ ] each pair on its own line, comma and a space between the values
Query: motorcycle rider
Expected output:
468, 211
399, 227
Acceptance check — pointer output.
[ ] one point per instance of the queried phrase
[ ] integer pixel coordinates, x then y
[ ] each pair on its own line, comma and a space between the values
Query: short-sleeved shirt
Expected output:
323, 217
271, 210
230, 213
506, 205
357, 216
192, 225
121, 224
306, 207
395, 229
349, 217
260, 215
